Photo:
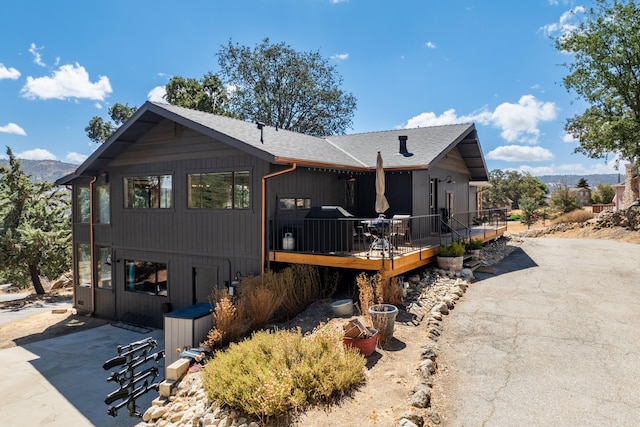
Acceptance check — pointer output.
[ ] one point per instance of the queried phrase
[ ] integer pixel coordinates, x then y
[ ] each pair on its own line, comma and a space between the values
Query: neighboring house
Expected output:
582, 195
179, 202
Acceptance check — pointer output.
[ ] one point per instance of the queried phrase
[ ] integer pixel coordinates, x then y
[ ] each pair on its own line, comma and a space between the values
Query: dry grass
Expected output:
366, 295
376, 290
261, 300
578, 215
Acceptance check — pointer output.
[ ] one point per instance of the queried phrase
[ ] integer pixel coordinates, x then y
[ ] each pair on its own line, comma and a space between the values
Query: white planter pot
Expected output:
450, 263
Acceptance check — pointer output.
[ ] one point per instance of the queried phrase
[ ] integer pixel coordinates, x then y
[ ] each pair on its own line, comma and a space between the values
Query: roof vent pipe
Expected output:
403, 146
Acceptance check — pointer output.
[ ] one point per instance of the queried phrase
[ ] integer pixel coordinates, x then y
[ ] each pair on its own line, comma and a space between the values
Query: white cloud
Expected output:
520, 153
566, 24
567, 137
518, 122
74, 157
339, 1
36, 154
37, 56
13, 128
340, 57
8, 73
157, 95
68, 81
431, 45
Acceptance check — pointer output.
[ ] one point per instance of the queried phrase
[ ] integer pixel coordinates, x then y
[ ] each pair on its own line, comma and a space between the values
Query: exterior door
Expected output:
205, 281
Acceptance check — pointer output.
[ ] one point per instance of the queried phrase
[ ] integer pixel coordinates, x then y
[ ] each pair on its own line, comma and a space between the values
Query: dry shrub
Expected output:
257, 303
226, 323
388, 291
261, 300
366, 288
276, 372
579, 215
299, 286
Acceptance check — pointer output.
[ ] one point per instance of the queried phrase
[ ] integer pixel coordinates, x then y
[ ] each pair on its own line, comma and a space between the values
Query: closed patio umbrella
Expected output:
381, 201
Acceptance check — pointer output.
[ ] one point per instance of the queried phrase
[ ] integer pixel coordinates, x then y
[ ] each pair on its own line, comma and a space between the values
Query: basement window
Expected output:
146, 277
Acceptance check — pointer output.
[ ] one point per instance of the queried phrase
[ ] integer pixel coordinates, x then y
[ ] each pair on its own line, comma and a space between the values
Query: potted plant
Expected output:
358, 336
450, 257
474, 246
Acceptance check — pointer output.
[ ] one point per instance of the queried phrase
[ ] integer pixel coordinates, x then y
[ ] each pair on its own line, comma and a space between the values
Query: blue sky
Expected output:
409, 63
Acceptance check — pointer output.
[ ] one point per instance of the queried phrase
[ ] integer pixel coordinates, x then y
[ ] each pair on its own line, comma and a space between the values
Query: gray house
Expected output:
179, 202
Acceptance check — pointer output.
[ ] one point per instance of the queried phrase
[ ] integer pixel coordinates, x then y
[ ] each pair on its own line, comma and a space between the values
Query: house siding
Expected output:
226, 241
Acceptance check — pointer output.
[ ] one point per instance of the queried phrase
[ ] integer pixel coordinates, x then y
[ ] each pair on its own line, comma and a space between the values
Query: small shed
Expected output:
186, 327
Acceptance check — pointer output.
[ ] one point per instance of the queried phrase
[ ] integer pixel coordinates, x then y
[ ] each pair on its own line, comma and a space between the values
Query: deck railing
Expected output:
378, 237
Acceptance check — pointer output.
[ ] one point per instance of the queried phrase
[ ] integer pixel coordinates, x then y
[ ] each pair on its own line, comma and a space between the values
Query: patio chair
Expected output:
401, 233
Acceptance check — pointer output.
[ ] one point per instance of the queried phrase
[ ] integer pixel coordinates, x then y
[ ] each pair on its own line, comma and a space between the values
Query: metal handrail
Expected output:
353, 236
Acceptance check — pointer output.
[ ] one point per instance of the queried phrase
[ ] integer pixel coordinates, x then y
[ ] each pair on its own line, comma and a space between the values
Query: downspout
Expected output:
91, 250
264, 208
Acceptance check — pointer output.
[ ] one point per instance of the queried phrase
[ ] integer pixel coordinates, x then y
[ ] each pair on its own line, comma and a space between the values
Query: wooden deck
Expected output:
397, 261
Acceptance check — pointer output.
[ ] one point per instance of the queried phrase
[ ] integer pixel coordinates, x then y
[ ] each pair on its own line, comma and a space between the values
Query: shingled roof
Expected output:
278, 146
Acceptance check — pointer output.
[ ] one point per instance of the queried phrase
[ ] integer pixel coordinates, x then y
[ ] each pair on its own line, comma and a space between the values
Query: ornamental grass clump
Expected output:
275, 372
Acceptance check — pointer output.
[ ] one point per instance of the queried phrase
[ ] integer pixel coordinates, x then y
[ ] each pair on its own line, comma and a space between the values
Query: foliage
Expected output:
507, 187
275, 372
262, 299
604, 73
514, 217
576, 216
475, 243
99, 131
453, 249
35, 231
582, 183
563, 201
604, 193
528, 208
207, 94
297, 91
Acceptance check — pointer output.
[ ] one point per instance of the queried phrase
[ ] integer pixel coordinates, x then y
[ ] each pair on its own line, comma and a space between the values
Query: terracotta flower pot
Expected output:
366, 346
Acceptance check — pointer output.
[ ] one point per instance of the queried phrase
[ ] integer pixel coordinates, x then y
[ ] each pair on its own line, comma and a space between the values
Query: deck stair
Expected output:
469, 263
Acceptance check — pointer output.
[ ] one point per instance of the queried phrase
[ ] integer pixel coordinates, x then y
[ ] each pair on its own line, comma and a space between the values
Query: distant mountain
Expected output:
44, 170
557, 181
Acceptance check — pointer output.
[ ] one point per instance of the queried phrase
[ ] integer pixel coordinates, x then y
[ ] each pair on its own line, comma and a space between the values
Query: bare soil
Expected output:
50, 324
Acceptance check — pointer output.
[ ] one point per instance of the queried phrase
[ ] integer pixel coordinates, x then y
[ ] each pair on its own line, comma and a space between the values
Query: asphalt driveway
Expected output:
553, 339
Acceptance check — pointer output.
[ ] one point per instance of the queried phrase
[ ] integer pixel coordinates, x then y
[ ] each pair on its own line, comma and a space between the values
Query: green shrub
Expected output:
275, 372
475, 244
514, 217
453, 249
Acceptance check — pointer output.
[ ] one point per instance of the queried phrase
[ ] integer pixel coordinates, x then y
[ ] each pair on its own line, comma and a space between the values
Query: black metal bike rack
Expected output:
131, 357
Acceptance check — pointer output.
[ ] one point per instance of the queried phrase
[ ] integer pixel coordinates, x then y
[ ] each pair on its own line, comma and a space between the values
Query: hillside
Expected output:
44, 170
557, 181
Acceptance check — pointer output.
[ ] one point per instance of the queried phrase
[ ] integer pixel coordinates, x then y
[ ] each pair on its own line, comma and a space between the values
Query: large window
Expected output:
148, 192
146, 277
104, 268
84, 207
220, 190
104, 213
83, 264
